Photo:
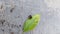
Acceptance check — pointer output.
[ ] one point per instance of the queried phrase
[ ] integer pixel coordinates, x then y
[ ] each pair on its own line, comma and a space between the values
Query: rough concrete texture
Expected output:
13, 13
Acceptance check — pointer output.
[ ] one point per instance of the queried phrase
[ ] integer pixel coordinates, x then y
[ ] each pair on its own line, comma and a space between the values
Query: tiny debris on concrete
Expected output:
11, 10
2, 21
2, 30
19, 25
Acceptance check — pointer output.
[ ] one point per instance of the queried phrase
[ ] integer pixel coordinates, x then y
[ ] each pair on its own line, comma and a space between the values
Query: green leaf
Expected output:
31, 23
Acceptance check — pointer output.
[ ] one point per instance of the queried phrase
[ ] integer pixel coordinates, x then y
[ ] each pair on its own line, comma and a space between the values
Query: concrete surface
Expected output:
13, 13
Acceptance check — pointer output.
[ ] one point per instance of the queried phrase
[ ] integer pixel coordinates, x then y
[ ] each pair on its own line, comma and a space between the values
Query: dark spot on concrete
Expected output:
2, 21
19, 25
30, 16
2, 30
1, 7
11, 10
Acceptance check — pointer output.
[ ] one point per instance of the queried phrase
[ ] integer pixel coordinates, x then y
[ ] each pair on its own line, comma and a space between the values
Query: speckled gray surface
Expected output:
50, 17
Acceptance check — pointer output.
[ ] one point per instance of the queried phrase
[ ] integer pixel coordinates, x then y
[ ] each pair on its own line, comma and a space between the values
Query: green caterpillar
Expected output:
31, 22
